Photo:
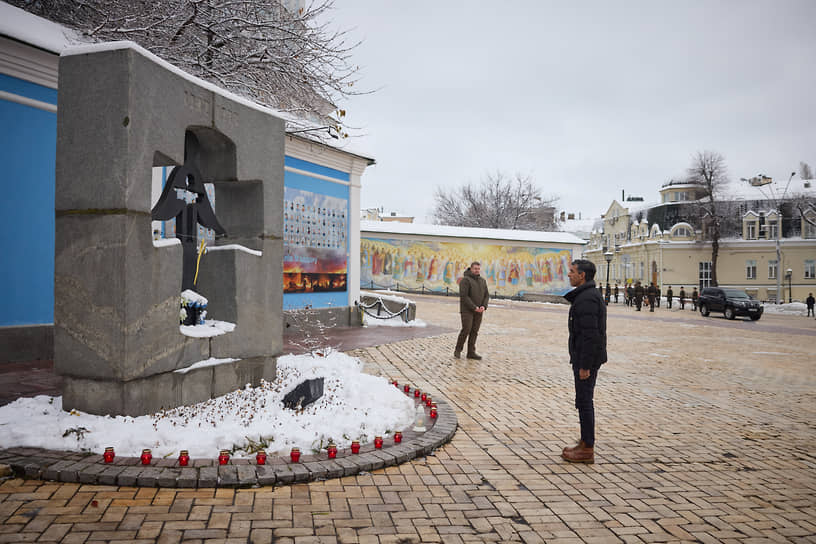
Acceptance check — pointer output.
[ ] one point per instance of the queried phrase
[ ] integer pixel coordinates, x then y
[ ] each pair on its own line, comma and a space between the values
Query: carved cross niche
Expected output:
185, 199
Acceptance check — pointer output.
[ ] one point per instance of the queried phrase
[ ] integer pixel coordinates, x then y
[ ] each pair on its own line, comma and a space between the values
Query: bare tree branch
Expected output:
291, 61
498, 202
708, 169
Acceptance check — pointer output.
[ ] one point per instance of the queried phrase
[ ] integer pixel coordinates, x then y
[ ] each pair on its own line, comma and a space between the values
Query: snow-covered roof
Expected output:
392, 227
25, 27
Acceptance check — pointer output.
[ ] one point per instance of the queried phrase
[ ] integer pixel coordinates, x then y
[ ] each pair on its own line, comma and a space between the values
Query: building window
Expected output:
771, 226
810, 269
773, 267
642, 269
750, 270
705, 274
681, 231
751, 230
809, 230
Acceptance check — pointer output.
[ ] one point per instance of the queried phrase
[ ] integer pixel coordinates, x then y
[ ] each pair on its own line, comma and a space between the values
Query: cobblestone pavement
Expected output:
704, 428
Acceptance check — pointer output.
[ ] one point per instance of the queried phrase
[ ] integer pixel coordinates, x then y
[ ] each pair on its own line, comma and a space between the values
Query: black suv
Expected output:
731, 302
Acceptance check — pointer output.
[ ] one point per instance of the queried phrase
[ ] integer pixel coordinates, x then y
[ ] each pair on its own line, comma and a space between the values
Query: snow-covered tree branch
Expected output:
287, 59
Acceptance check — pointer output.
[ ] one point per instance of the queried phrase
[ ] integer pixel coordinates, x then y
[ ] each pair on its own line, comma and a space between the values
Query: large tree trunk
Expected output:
715, 251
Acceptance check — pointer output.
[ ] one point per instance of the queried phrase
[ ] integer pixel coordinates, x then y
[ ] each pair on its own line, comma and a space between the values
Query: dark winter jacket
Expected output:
472, 292
810, 301
587, 327
639, 292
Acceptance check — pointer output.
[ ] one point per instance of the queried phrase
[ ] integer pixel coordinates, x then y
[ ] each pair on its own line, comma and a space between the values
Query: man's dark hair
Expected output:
587, 267
476, 263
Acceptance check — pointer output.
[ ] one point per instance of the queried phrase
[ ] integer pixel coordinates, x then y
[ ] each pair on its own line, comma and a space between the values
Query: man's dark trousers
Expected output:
471, 321
584, 402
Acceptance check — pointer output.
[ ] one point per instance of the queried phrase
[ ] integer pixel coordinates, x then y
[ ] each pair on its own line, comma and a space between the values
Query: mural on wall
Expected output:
315, 239
437, 266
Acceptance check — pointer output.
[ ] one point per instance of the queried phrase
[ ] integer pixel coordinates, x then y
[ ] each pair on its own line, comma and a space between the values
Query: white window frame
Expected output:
704, 277
751, 230
810, 269
771, 227
750, 269
773, 269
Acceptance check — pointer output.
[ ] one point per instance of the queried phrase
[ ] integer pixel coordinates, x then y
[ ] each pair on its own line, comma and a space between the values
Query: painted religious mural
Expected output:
437, 266
315, 242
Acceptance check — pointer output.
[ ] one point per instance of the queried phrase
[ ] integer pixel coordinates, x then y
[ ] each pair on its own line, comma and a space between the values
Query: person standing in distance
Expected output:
473, 297
587, 350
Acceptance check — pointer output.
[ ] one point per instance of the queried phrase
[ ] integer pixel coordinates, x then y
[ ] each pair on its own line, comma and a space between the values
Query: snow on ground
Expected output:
210, 328
396, 321
790, 308
355, 406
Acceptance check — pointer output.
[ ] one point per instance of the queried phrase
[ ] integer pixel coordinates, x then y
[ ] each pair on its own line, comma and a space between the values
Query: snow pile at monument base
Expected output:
354, 406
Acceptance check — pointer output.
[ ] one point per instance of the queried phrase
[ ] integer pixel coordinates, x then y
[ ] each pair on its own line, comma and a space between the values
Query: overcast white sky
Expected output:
590, 98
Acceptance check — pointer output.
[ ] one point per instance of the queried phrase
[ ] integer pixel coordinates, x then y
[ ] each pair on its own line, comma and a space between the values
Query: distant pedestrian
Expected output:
669, 296
659, 295
587, 351
639, 293
616, 293
608, 294
809, 301
473, 297
651, 293
682, 298
694, 297
630, 295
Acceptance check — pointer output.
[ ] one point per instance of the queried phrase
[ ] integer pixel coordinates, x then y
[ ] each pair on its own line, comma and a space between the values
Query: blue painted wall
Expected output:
28, 147
295, 301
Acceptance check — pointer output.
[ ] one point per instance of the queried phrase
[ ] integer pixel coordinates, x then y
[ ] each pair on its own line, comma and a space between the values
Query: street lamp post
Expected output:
789, 276
608, 256
759, 182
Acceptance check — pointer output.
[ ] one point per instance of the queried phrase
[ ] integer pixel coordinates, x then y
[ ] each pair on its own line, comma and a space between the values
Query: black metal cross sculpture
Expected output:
189, 215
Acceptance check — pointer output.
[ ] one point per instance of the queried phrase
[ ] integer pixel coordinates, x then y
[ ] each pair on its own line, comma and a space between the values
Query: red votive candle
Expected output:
355, 446
416, 392
108, 455
378, 442
424, 396
260, 457
407, 388
294, 455
397, 437
332, 449
428, 402
146, 456
184, 458
433, 413
223, 457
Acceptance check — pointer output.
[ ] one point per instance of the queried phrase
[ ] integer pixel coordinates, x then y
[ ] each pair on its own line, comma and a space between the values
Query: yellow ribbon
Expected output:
198, 260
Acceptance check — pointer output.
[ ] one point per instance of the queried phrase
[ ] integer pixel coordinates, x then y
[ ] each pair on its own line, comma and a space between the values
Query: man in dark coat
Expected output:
809, 302
669, 296
682, 298
639, 292
473, 297
587, 350
651, 293
617, 292
694, 297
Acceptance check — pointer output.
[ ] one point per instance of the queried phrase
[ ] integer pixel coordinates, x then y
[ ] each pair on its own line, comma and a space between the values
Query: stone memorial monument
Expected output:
117, 340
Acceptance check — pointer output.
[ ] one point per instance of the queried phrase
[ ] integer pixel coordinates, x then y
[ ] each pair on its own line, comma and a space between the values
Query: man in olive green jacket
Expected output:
473, 297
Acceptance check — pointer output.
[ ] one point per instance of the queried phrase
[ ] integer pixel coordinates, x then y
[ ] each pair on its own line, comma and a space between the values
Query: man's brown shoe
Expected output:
580, 454
474, 356
578, 445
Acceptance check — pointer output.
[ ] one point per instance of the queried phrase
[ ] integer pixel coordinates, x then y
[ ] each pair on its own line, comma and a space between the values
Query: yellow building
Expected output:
664, 243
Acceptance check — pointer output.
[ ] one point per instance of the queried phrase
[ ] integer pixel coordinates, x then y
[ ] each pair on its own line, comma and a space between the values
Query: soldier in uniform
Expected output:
651, 292
682, 298
694, 297
639, 292
669, 296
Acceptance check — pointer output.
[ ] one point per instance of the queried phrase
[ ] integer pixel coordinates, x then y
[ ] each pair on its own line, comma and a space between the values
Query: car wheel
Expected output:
704, 310
730, 313
755, 317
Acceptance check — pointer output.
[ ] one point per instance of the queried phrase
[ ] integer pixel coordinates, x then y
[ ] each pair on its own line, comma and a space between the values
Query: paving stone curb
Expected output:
85, 468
